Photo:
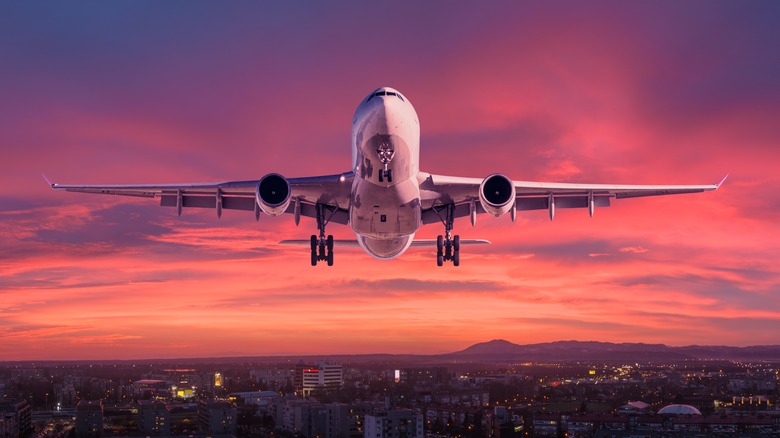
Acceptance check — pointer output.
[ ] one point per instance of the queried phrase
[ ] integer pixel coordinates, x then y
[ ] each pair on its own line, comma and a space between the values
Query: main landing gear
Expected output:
322, 247
447, 246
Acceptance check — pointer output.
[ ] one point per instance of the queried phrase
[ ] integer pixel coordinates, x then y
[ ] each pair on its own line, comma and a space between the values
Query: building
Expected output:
323, 377
7, 425
399, 423
89, 418
17, 416
217, 418
154, 418
152, 388
298, 376
257, 398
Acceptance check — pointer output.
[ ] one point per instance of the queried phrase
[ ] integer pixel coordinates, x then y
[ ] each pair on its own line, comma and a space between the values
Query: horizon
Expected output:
288, 356
146, 92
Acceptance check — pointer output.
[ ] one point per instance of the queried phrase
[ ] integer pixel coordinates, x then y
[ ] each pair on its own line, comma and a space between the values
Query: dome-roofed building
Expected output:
679, 410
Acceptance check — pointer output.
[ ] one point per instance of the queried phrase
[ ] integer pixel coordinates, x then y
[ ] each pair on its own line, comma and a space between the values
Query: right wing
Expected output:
330, 190
463, 193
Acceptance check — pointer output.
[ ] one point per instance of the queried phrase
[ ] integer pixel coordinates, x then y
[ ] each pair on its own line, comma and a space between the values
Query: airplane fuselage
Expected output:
385, 199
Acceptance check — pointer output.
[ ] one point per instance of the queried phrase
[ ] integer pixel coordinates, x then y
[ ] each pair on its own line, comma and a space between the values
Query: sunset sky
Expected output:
593, 92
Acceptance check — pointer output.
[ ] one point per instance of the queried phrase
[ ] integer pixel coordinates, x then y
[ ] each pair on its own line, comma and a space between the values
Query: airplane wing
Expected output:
330, 190
463, 193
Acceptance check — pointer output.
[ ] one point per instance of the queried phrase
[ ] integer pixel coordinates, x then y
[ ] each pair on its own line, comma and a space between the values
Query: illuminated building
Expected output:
183, 391
217, 380
323, 377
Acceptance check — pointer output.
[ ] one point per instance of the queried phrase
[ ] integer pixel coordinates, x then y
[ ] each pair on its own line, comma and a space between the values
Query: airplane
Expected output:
385, 197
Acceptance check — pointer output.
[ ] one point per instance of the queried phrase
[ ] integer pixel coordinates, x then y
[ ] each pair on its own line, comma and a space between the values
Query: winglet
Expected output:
721, 181
48, 181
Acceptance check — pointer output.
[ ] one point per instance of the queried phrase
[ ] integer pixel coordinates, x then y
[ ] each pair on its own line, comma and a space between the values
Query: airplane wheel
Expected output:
313, 243
330, 243
456, 244
330, 258
439, 259
456, 258
314, 257
439, 243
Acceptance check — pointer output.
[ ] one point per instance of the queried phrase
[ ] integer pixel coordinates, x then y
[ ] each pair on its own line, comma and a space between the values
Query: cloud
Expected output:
197, 93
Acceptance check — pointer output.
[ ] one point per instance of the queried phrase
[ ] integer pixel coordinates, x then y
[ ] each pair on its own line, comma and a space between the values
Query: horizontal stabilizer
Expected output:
417, 243
422, 243
337, 243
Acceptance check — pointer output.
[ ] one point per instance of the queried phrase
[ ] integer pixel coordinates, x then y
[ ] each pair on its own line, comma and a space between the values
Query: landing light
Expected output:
342, 178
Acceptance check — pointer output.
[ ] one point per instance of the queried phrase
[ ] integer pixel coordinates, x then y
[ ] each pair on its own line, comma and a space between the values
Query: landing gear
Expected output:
447, 246
322, 247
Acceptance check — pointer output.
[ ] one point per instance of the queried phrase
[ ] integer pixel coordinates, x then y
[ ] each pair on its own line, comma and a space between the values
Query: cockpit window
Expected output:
386, 93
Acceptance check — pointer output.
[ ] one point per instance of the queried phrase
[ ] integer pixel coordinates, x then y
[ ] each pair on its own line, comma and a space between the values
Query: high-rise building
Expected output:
216, 418
323, 377
89, 418
21, 414
399, 423
298, 376
154, 418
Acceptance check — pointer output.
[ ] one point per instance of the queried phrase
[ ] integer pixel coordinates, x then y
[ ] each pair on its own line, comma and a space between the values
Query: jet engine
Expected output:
273, 194
497, 194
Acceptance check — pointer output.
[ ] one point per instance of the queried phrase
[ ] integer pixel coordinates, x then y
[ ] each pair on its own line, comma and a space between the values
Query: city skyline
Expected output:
178, 92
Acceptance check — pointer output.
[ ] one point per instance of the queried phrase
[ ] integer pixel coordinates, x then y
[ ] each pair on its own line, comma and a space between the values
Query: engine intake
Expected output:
497, 194
273, 194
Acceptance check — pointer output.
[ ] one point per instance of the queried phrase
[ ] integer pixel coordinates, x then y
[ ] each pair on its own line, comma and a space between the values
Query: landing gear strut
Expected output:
322, 247
447, 246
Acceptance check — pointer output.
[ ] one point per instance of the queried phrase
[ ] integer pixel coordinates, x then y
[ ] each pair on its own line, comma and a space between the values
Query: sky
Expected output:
590, 92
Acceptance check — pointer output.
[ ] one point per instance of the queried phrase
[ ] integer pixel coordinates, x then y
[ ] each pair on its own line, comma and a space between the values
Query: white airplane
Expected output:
385, 197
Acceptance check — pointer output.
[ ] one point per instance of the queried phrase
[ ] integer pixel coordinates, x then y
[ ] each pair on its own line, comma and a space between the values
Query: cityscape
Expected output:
483, 391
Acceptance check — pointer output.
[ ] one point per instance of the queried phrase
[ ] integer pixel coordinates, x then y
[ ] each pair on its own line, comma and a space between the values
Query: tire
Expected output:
313, 243
456, 258
329, 243
330, 258
456, 244
314, 258
439, 260
439, 243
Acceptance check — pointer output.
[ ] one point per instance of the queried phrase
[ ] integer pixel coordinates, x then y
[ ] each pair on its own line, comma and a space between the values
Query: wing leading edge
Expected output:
530, 195
331, 190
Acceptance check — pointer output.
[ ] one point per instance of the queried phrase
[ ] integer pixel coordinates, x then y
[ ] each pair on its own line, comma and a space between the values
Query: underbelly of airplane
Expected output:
385, 212
385, 248
385, 218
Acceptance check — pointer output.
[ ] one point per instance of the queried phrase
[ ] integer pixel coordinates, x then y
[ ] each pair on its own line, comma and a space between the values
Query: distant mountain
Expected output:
502, 350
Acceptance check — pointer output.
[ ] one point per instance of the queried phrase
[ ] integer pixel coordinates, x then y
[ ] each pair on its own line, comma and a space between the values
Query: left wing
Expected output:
463, 193
330, 190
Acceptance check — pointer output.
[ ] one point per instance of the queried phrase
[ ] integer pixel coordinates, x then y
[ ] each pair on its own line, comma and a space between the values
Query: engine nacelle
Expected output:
273, 194
497, 194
